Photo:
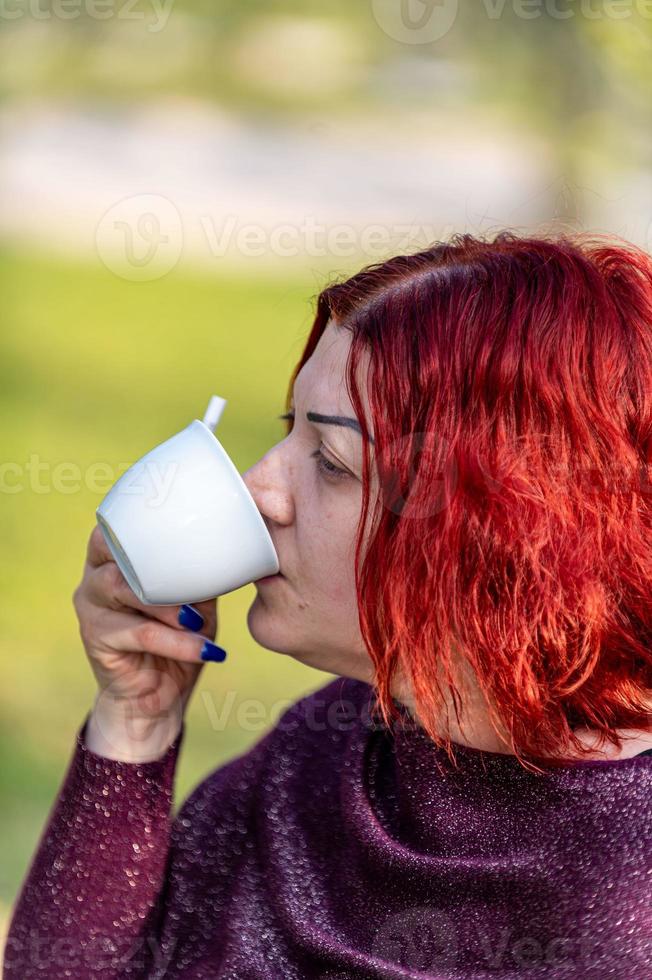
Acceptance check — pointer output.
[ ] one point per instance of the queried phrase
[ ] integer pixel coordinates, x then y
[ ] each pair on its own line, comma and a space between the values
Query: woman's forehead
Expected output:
325, 372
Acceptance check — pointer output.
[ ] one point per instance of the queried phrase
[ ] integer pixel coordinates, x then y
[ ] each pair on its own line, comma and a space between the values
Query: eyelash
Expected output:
324, 465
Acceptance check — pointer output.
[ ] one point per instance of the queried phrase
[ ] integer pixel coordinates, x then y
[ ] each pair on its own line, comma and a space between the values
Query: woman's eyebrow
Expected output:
343, 420
336, 420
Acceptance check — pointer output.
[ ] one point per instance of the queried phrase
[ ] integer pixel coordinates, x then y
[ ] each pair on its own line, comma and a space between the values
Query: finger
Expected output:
151, 636
110, 589
207, 609
97, 551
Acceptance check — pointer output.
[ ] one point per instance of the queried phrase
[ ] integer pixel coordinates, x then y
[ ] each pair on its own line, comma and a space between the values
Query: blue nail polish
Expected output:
210, 651
190, 618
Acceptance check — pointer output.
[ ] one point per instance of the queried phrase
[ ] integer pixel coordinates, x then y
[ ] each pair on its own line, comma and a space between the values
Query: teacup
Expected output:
181, 523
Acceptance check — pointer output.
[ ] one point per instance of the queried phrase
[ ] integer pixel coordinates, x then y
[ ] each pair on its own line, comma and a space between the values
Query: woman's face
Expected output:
311, 512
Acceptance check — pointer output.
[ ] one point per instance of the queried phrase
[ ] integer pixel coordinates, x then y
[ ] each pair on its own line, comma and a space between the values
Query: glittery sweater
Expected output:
340, 848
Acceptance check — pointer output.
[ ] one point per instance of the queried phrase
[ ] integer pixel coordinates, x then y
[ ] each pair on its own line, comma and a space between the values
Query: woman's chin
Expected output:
267, 629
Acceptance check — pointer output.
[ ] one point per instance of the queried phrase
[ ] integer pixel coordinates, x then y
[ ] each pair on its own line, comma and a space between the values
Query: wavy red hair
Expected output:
510, 389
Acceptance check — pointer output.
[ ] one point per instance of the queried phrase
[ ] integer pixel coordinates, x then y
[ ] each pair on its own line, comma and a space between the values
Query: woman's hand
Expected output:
146, 664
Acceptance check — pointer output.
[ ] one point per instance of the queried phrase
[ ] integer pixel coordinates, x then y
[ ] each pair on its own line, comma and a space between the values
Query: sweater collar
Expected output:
481, 802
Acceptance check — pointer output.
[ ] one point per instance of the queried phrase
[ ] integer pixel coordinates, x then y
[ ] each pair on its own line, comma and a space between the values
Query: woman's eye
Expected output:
326, 466
323, 465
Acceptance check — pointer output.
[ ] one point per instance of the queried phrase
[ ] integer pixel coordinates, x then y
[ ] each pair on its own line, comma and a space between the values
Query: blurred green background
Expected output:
128, 142
98, 370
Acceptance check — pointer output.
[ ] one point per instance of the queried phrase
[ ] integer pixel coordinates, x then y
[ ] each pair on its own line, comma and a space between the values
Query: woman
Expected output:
469, 550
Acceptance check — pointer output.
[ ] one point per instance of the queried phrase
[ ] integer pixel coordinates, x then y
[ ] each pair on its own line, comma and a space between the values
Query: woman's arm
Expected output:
96, 875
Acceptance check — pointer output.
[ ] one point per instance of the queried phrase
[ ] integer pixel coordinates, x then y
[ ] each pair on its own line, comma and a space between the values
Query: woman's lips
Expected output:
268, 578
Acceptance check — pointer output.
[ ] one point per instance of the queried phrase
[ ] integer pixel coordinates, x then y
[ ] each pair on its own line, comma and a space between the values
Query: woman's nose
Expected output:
265, 482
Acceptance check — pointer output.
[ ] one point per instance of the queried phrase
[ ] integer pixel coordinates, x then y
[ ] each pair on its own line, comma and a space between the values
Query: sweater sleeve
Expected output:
95, 879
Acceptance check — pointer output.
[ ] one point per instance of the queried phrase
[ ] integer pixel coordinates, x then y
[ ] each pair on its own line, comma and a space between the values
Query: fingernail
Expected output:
210, 651
190, 618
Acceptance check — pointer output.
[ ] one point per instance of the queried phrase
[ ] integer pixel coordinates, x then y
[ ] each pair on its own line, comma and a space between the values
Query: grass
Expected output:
97, 369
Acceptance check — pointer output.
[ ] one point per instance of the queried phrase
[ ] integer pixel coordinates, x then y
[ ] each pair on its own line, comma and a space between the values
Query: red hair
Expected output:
510, 389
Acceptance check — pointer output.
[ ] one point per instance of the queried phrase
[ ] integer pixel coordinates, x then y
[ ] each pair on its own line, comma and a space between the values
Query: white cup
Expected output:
181, 523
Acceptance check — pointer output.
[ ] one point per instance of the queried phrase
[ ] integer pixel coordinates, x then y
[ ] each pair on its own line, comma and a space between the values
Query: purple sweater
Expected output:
338, 848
